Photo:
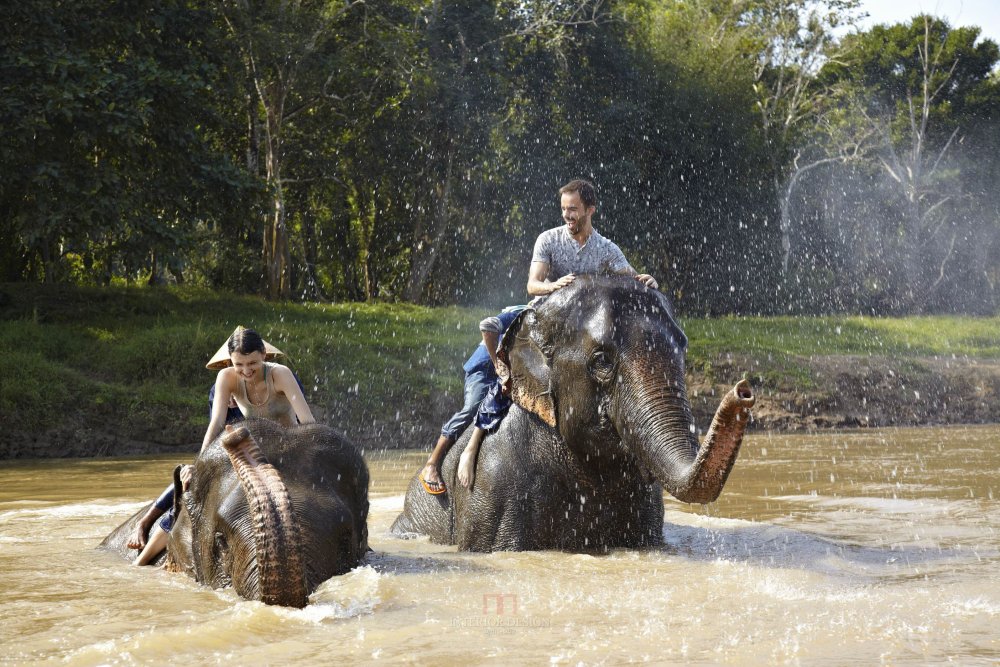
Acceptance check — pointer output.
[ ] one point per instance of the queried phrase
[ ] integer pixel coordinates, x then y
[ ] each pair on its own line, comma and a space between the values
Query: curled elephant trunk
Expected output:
280, 576
658, 427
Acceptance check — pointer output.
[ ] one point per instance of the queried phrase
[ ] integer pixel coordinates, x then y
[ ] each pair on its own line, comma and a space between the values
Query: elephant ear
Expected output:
525, 369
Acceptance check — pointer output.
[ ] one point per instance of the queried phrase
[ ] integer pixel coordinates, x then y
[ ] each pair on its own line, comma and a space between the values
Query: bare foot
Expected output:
187, 472
432, 479
138, 539
467, 466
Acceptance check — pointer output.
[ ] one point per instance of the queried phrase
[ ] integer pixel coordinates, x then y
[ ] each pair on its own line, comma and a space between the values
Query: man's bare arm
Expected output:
644, 278
537, 285
491, 339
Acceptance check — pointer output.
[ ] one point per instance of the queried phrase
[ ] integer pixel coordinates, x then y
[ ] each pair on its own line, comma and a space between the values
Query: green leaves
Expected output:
412, 149
104, 104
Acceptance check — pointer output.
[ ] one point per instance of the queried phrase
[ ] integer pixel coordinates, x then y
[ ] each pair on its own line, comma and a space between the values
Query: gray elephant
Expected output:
272, 512
600, 425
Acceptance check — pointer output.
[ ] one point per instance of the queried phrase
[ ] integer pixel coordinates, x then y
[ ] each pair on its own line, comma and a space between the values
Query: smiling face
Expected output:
576, 215
248, 366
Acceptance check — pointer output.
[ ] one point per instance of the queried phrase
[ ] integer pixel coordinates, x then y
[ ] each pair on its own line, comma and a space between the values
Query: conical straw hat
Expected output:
221, 358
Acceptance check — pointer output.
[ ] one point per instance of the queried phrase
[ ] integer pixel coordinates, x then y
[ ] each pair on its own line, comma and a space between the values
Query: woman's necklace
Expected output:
246, 386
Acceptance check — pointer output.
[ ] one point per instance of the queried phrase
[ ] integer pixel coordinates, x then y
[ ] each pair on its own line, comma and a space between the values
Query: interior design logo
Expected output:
501, 615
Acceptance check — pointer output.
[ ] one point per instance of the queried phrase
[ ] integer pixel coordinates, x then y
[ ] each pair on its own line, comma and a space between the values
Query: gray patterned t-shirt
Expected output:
564, 255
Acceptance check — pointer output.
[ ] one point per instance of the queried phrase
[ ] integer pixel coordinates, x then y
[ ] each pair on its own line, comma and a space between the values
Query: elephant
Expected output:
271, 511
600, 425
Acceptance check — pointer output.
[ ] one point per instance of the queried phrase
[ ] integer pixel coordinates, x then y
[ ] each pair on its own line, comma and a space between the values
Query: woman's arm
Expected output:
284, 381
224, 386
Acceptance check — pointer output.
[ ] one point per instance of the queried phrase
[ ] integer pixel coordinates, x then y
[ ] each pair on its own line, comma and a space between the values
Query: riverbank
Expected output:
116, 371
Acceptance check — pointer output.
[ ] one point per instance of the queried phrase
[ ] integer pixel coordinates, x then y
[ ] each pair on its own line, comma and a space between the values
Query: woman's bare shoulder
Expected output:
282, 373
227, 377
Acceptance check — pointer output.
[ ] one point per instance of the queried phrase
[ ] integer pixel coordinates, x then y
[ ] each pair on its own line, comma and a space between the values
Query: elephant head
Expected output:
273, 512
602, 362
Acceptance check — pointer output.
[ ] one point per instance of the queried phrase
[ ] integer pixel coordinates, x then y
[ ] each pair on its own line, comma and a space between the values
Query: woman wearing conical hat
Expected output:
260, 388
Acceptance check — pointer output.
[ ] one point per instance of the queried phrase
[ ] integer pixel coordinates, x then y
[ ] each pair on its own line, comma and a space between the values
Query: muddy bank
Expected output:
844, 391
793, 394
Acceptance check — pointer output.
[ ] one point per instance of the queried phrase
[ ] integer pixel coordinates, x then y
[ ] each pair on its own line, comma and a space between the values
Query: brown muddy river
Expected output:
876, 547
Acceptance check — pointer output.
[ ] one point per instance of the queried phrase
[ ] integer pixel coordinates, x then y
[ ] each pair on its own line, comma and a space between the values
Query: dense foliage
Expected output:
756, 156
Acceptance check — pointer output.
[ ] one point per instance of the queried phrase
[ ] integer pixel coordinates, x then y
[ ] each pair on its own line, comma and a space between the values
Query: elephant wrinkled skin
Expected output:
271, 511
600, 426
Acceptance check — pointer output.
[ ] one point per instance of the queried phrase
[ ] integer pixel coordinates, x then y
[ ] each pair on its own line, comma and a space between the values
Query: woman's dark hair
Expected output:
245, 341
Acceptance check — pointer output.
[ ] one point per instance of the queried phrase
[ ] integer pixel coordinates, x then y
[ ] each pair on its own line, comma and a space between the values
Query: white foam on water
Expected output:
973, 607
762, 544
779, 586
75, 510
356, 593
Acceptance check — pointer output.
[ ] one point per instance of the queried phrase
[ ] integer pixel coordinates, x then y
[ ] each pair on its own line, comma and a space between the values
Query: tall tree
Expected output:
462, 94
790, 41
289, 51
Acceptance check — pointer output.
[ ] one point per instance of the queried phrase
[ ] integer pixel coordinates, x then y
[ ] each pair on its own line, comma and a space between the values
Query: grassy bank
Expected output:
110, 371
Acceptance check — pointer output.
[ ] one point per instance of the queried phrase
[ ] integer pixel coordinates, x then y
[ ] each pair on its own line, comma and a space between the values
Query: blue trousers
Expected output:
477, 384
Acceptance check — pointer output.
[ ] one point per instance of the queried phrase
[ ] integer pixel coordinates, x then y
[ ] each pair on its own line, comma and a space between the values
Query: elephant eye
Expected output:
602, 366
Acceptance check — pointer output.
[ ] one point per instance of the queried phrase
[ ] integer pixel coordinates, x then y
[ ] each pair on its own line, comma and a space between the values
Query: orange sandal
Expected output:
428, 489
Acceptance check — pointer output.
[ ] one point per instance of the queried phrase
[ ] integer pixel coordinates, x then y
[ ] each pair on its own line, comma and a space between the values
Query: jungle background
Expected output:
757, 156
362, 181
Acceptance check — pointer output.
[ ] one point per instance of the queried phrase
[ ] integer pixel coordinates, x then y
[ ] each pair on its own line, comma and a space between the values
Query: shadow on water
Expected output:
385, 562
760, 545
770, 546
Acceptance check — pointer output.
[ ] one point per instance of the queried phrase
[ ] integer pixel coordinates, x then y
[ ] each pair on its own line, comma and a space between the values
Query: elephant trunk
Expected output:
280, 568
655, 422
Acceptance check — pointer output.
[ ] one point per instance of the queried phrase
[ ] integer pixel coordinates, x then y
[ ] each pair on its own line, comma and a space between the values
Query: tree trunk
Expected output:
276, 252
424, 252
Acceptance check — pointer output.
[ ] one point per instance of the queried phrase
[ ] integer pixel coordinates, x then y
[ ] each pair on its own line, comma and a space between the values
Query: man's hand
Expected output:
647, 280
562, 282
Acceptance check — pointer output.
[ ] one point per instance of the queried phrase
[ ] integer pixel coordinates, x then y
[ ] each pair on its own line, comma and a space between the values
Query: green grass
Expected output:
866, 336
139, 354
134, 356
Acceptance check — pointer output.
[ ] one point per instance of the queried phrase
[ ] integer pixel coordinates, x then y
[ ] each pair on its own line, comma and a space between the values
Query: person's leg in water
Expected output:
157, 542
148, 520
476, 388
163, 509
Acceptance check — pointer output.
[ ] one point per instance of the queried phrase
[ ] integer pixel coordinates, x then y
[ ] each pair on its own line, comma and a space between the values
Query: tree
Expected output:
924, 88
289, 50
465, 89
790, 42
108, 160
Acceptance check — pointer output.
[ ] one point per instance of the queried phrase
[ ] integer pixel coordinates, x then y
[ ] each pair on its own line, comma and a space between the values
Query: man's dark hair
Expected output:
586, 190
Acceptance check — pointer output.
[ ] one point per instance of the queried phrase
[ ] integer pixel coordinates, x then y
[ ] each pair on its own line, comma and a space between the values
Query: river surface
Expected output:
874, 547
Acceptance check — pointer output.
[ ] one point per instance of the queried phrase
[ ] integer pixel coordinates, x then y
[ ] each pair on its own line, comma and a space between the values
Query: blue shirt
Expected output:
480, 359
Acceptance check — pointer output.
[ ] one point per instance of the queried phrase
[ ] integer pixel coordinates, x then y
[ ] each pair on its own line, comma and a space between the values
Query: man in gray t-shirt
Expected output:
576, 248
